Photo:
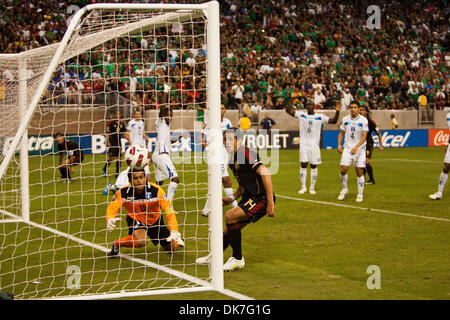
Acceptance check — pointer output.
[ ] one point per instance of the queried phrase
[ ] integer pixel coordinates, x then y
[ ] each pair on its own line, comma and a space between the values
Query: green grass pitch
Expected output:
315, 247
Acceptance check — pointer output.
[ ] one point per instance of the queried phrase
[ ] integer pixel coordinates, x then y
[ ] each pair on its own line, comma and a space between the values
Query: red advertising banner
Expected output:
438, 137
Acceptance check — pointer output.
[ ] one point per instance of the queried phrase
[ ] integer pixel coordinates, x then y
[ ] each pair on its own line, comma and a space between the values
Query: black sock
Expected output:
370, 171
117, 166
226, 241
235, 237
105, 168
63, 171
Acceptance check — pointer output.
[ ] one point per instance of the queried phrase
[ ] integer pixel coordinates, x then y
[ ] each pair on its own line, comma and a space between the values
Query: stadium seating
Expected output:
322, 50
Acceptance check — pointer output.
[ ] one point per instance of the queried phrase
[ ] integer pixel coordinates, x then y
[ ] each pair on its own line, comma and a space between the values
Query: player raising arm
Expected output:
353, 130
143, 202
444, 174
310, 129
258, 198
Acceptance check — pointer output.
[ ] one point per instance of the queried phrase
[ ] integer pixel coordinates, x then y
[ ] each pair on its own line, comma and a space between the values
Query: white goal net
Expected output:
53, 235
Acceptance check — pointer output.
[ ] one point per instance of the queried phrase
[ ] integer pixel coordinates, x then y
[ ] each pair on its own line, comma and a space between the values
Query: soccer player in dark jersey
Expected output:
143, 202
258, 198
365, 111
74, 156
114, 129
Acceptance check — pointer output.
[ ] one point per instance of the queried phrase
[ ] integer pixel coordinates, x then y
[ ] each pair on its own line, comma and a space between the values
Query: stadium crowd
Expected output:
271, 51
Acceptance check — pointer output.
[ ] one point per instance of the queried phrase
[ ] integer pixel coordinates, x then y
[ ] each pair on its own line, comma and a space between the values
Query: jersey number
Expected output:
310, 123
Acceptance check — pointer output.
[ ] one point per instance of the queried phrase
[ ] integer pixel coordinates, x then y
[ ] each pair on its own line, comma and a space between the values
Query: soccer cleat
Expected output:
302, 190
436, 196
312, 191
342, 194
370, 182
108, 187
114, 251
66, 181
234, 264
206, 213
203, 260
359, 198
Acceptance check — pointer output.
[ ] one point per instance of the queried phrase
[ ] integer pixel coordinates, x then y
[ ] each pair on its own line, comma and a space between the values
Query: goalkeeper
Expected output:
143, 202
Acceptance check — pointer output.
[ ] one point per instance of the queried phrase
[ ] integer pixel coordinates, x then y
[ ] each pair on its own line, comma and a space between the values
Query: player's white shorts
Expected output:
164, 168
224, 165
447, 155
310, 153
358, 159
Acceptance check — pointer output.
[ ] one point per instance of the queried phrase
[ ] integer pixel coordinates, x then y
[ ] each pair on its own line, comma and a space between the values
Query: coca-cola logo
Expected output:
441, 138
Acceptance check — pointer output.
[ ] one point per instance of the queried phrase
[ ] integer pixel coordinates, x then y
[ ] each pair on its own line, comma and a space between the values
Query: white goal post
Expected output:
90, 27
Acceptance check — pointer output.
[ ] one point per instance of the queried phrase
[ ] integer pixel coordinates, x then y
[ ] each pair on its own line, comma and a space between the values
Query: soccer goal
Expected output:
53, 238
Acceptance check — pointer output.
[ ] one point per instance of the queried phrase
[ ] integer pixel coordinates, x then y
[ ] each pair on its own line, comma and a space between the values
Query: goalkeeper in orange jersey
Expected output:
143, 202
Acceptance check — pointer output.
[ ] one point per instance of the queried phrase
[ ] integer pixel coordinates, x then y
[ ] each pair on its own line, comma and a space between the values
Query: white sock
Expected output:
361, 182
344, 179
314, 173
171, 189
442, 181
229, 193
303, 174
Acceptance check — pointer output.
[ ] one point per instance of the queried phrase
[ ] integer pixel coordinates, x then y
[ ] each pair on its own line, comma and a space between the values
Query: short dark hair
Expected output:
163, 111
131, 171
58, 134
354, 102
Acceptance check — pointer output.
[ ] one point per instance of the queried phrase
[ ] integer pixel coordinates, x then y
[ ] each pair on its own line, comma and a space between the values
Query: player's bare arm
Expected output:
289, 109
267, 182
202, 140
336, 115
340, 137
380, 141
126, 135
236, 195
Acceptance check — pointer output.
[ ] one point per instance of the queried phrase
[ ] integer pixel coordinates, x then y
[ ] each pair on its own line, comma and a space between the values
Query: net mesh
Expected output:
115, 60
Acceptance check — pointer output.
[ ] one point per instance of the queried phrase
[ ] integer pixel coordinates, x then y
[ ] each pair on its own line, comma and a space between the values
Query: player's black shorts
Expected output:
158, 232
254, 207
369, 151
114, 151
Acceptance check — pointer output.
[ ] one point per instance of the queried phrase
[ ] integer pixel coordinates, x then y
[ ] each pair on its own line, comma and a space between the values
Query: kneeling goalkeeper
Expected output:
143, 202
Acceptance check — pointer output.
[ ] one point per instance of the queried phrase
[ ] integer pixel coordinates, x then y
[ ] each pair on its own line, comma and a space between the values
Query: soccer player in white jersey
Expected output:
444, 174
226, 180
310, 129
164, 168
136, 130
353, 130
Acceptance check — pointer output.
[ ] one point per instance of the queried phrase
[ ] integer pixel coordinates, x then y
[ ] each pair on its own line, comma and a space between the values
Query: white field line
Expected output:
205, 285
377, 160
364, 209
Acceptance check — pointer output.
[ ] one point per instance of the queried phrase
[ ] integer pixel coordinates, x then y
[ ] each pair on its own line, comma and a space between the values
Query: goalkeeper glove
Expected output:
111, 223
176, 236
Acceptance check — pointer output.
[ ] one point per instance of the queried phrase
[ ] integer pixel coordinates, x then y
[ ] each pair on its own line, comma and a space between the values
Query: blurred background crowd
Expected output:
271, 52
